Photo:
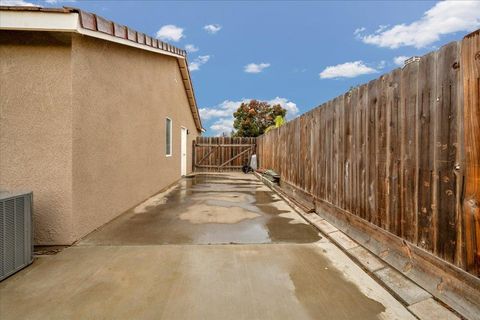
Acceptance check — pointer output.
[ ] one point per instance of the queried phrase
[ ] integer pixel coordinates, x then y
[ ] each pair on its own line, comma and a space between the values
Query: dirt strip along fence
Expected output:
401, 152
222, 154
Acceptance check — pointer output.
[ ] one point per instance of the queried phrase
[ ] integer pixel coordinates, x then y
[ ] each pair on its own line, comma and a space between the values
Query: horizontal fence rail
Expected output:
401, 152
222, 154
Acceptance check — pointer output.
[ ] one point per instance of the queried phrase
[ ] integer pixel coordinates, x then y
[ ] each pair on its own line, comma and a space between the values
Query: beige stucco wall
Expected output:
35, 127
82, 124
121, 97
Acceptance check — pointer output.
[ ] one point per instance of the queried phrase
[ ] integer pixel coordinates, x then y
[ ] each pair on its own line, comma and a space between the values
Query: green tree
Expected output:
254, 117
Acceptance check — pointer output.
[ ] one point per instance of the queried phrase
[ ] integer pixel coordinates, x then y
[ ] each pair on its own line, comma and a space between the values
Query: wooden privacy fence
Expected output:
401, 152
222, 153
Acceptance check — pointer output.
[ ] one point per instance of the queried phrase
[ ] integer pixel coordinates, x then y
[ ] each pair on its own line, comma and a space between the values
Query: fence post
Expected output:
193, 155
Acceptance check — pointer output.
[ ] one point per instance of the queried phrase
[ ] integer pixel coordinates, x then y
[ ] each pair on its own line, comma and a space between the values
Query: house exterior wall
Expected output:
35, 127
121, 98
82, 125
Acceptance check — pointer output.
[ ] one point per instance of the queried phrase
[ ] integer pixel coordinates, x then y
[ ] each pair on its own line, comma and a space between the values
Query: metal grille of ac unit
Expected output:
16, 247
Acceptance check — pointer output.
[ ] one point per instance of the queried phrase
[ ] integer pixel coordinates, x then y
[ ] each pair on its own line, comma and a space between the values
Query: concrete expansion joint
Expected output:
418, 301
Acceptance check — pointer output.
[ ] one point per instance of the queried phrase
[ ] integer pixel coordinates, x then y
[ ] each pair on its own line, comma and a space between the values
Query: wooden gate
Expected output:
217, 154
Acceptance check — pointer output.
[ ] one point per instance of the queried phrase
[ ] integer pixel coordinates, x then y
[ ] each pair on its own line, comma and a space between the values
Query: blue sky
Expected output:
300, 54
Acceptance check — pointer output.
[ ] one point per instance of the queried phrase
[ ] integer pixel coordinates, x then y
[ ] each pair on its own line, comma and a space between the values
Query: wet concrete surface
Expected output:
208, 209
152, 263
276, 281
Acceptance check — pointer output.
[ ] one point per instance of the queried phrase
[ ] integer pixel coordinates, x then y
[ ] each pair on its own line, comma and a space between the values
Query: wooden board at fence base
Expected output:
222, 154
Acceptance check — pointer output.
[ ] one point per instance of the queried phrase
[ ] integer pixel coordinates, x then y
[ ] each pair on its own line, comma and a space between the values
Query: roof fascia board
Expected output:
187, 82
38, 21
104, 36
65, 22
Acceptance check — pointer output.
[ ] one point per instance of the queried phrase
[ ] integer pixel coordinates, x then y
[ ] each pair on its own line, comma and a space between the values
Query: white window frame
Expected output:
171, 137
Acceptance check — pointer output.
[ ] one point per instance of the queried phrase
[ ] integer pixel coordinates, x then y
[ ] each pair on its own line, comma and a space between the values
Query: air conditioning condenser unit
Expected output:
16, 236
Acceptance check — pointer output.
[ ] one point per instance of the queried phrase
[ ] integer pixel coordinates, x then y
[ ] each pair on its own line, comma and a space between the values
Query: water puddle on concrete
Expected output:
334, 297
208, 209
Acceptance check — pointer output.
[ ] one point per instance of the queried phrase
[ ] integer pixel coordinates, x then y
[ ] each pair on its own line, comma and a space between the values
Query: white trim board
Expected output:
63, 22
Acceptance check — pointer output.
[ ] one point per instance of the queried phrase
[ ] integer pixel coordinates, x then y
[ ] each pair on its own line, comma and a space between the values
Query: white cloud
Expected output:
223, 113
170, 32
358, 31
382, 64
212, 28
198, 62
256, 68
222, 110
381, 28
222, 126
346, 70
19, 3
191, 48
400, 60
443, 18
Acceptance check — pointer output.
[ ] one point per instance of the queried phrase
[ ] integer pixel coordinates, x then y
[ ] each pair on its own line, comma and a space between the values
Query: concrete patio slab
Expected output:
152, 263
208, 209
197, 282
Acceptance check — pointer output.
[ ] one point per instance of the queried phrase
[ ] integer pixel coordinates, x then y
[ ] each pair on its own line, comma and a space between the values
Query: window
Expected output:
168, 137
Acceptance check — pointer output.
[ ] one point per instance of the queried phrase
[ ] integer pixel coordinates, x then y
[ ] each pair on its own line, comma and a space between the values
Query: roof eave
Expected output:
187, 82
75, 20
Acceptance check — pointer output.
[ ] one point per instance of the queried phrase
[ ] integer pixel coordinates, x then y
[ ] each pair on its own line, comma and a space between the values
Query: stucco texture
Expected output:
83, 127
36, 129
121, 98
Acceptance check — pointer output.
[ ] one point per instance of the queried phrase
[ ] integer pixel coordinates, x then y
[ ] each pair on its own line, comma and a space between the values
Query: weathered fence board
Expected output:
401, 152
470, 64
427, 181
218, 154
448, 77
